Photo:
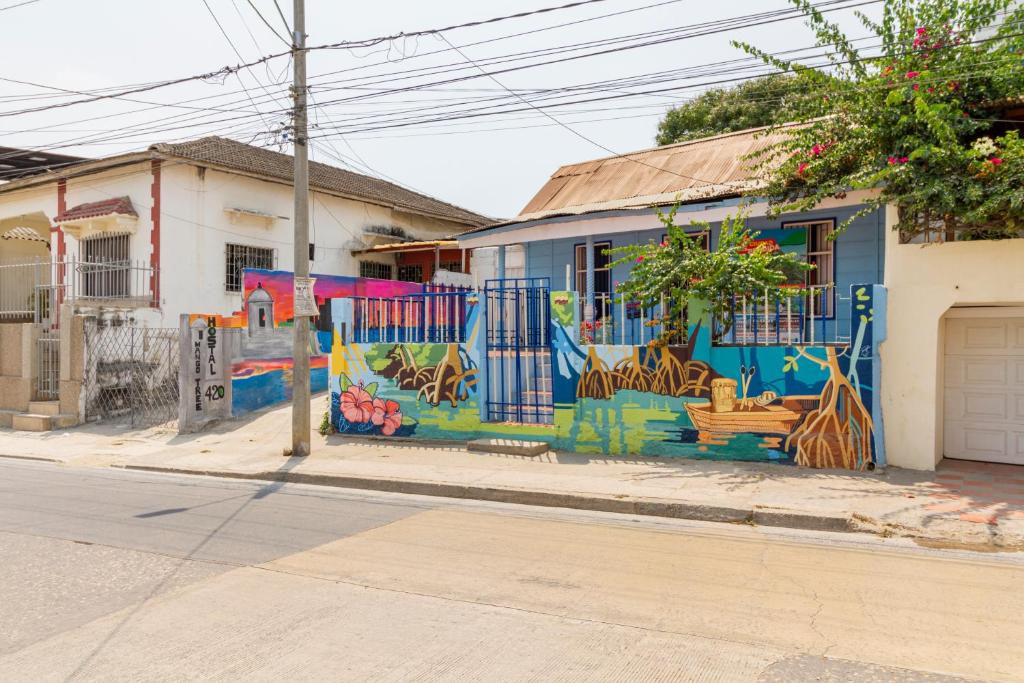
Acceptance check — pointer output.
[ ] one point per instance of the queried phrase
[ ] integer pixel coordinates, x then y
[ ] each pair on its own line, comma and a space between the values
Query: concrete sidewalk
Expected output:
963, 504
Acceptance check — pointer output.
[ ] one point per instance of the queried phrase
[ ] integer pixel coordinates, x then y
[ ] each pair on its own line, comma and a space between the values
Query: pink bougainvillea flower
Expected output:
921, 31
801, 168
639, 259
996, 161
387, 415
664, 244
817, 150
917, 86
931, 89
892, 161
356, 404
904, 160
913, 74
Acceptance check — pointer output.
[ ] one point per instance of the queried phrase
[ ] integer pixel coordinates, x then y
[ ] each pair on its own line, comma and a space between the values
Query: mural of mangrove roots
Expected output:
676, 374
839, 432
630, 373
595, 377
449, 380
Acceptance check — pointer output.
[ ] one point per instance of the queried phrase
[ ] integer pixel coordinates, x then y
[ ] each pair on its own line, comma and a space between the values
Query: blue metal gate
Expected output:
518, 318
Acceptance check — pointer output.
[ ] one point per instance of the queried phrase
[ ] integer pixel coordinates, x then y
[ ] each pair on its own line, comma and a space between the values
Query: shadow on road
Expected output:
246, 499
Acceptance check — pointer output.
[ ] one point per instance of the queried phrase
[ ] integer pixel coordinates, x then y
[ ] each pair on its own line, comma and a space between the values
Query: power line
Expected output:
569, 128
18, 4
283, 19
267, 23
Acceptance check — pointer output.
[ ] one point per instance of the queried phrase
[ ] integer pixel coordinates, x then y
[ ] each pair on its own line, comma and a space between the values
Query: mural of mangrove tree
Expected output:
657, 369
437, 372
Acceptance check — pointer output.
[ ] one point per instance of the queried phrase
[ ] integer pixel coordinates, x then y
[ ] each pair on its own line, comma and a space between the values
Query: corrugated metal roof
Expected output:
709, 168
409, 246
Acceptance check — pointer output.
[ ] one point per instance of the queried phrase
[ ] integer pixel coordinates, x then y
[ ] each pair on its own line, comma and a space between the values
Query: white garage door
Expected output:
984, 393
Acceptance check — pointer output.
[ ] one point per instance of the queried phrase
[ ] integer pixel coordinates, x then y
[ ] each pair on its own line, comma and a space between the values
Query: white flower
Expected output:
984, 146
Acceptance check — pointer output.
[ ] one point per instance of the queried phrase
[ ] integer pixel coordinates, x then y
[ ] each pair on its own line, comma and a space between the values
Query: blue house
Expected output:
587, 208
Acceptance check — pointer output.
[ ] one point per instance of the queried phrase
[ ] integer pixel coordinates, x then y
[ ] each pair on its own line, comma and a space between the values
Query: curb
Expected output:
626, 506
34, 458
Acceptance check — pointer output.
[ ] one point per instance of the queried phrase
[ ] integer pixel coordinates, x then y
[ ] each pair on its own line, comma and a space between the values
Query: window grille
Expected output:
373, 269
451, 266
105, 266
410, 273
240, 256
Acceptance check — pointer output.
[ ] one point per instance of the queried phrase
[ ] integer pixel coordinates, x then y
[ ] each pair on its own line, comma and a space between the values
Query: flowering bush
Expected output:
919, 123
360, 411
680, 269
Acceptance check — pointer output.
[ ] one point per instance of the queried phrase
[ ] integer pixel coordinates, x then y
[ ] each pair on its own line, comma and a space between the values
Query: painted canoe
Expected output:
779, 418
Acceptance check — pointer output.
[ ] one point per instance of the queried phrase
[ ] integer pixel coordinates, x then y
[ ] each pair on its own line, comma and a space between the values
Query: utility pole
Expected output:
300, 346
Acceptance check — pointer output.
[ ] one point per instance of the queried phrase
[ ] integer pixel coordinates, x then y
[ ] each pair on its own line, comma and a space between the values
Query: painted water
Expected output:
630, 422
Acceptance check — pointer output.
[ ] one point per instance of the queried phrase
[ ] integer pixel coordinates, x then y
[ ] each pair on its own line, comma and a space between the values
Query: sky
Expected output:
489, 164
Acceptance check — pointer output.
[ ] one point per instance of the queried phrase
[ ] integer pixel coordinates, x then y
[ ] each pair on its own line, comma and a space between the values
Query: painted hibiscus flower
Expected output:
356, 404
387, 415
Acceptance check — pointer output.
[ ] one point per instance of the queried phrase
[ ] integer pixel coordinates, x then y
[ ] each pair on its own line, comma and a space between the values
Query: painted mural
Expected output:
811, 406
262, 371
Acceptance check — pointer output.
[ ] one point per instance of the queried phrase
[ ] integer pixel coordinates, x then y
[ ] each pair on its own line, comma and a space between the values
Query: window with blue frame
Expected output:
819, 251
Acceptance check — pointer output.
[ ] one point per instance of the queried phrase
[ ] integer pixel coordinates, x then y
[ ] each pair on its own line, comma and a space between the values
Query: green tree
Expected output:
916, 120
751, 104
680, 269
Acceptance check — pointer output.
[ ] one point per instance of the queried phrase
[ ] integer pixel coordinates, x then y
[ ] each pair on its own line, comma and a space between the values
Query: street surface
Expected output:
130, 576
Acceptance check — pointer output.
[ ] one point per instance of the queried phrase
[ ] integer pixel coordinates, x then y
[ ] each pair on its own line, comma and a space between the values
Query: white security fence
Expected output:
32, 290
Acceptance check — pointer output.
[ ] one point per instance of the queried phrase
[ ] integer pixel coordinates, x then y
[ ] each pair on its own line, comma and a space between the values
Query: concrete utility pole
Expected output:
300, 348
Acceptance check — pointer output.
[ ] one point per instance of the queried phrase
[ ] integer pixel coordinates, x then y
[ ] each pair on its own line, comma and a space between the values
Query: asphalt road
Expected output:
118, 575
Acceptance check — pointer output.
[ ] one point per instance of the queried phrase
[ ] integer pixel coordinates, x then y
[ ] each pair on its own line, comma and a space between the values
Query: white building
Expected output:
176, 224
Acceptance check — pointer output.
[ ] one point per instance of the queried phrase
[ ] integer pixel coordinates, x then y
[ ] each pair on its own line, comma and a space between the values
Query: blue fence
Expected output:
435, 315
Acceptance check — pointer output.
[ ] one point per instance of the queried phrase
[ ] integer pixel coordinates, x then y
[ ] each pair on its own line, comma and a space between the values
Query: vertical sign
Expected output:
205, 373
303, 301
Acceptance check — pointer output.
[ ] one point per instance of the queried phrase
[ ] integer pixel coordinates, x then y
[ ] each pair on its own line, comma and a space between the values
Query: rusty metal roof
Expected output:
425, 245
709, 168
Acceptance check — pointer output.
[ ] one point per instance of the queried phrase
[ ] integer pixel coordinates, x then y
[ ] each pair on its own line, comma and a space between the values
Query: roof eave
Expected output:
83, 168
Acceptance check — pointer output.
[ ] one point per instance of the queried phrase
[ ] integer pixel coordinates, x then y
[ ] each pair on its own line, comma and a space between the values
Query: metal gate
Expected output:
518, 317
131, 373
47, 366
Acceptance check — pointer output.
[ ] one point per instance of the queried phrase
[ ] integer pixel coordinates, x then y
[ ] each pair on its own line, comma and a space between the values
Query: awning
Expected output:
22, 233
118, 206
116, 215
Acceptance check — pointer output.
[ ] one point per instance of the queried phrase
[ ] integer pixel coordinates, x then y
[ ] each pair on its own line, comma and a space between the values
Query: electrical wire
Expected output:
18, 4
267, 23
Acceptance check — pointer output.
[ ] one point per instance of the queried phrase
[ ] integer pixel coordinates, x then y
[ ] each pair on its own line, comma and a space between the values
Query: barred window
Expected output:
451, 266
105, 266
372, 269
410, 273
240, 256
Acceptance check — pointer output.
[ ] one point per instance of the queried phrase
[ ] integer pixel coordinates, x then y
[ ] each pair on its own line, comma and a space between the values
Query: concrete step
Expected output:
7, 417
50, 408
508, 447
28, 422
35, 422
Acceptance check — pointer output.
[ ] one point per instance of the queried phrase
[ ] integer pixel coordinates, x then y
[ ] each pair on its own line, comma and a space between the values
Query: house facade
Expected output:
946, 317
178, 223
100, 259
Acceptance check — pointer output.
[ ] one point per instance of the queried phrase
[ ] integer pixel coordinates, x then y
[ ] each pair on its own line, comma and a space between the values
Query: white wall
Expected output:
195, 228
923, 283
